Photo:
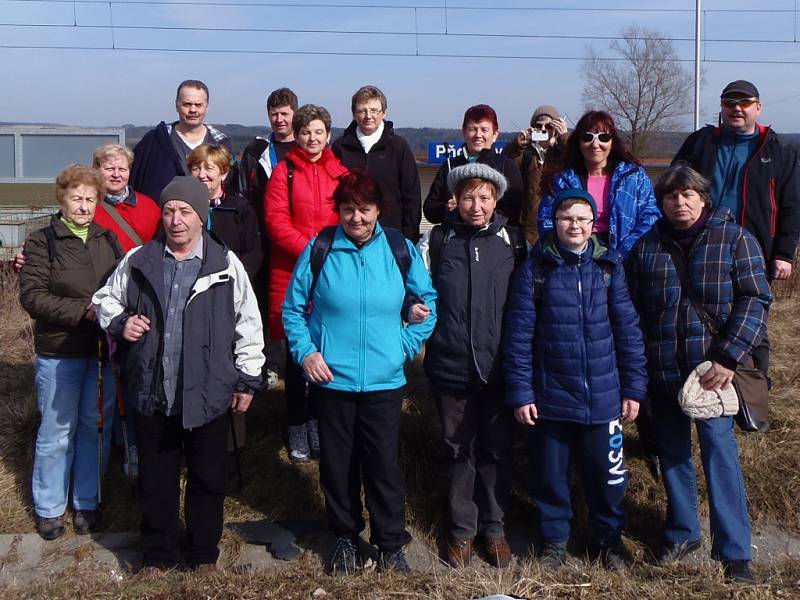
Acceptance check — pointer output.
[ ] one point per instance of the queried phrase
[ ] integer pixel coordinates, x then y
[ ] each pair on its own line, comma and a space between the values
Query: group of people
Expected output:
557, 288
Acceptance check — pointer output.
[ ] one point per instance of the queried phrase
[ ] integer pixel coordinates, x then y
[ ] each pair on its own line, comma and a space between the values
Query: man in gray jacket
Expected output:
186, 320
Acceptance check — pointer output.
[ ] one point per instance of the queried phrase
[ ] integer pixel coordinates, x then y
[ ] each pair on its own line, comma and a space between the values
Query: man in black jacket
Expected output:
370, 144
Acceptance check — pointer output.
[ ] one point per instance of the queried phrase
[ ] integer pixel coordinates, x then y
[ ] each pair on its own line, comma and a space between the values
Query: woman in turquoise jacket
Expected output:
342, 317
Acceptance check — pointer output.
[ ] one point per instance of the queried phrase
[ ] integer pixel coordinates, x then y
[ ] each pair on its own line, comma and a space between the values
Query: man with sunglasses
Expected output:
755, 176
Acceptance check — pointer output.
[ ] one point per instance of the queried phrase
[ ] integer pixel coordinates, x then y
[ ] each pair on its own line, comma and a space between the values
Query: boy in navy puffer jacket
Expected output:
575, 371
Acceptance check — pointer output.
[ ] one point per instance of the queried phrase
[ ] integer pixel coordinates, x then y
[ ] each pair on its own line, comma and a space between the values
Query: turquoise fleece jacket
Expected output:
355, 319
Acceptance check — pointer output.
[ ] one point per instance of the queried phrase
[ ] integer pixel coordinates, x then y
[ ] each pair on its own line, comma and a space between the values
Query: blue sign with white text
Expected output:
438, 152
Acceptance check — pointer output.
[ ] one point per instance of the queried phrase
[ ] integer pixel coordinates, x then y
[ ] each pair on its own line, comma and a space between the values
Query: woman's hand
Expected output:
527, 414
717, 377
90, 314
524, 137
418, 313
781, 269
316, 369
559, 126
135, 327
19, 261
452, 203
630, 410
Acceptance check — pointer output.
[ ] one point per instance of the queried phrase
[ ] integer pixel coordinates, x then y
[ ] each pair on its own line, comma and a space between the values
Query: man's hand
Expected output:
19, 261
527, 414
717, 377
630, 410
135, 327
524, 137
559, 126
781, 269
418, 313
241, 402
316, 369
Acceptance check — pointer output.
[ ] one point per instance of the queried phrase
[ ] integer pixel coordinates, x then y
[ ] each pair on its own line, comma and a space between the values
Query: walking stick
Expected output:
236, 450
124, 422
100, 420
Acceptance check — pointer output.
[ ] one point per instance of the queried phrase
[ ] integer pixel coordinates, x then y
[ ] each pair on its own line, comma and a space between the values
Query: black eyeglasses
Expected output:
587, 137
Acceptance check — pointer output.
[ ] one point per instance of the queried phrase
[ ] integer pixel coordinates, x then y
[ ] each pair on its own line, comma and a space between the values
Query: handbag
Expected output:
751, 384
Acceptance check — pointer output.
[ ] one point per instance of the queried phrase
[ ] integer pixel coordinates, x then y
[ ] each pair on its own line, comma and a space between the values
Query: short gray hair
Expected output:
682, 177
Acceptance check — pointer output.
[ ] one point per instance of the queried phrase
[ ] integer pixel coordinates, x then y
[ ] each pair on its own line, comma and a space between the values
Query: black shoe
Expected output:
344, 560
87, 521
553, 556
738, 571
653, 465
615, 557
673, 551
394, 560
49, 528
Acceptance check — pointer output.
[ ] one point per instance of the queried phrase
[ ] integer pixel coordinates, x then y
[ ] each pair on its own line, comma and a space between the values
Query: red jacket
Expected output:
144, 219
290, 231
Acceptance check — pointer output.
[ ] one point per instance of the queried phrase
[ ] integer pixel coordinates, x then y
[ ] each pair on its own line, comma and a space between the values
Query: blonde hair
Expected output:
107, 151
204, 153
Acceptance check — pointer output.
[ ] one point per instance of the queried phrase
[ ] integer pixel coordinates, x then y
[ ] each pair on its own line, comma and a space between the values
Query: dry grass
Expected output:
276, 489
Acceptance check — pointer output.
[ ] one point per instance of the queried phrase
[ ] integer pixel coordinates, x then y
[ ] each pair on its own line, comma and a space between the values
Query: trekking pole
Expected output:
236, 450
124, 422
100, 420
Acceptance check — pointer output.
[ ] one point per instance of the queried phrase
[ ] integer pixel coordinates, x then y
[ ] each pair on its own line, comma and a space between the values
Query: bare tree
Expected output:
646, 90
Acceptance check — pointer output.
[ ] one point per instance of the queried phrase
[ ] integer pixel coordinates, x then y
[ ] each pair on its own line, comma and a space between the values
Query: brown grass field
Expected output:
276, 489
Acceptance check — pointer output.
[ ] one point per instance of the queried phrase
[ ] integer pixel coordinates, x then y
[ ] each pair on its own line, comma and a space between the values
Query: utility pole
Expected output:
697, 17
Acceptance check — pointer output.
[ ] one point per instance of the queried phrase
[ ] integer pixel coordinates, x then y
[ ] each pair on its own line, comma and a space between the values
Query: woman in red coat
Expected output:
298, 203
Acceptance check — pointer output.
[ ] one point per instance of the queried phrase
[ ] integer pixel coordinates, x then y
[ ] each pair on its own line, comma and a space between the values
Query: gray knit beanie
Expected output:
477, 170
545, 110
190, 190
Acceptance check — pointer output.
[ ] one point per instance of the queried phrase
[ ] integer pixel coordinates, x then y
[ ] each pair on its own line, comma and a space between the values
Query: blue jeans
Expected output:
66, 443
730, 523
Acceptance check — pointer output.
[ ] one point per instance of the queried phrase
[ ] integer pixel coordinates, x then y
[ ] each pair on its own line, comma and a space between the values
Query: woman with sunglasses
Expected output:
597, 161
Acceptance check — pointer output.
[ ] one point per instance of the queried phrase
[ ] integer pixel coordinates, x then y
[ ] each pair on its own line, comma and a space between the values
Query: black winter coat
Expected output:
472, 275
391, 163
235, 222
435, 206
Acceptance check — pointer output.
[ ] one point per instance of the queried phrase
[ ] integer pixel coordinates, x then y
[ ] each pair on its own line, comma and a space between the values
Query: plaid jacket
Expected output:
726, 269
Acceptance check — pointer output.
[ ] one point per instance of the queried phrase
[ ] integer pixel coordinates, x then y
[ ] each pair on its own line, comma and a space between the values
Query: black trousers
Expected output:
359, 432
477, 429
162, 440
298, 406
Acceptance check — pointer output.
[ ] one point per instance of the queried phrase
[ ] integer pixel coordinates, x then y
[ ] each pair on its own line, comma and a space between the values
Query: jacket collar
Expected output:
342, 242
62, 231
350, 135
596, 251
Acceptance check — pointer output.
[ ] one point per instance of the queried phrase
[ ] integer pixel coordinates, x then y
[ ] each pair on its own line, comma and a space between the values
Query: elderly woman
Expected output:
343, 322
480, 129
597, 161
472, 257
230, 216
724, 273
67, 262
299, 202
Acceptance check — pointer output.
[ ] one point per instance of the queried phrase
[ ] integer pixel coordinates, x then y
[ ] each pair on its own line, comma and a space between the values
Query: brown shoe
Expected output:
459, 552
498, 551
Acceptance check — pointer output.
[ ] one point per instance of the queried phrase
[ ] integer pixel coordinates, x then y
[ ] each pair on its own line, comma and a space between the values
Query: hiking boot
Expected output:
738, 571
87, 521
674, 551
394, 560
299, 452
344, 560
615, 557
459, 552
49, 528
553, 556
499, 552
313, 438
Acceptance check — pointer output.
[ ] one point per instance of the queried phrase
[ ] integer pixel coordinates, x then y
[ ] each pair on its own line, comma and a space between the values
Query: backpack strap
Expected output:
539, 277
289, 178
436, 241
50, 237
518, 244
397, 244
319, 252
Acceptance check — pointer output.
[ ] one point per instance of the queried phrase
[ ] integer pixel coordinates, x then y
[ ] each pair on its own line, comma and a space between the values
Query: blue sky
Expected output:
104, 86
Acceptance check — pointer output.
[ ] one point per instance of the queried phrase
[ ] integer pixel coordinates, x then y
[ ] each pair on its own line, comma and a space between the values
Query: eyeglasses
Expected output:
743, 102
588, 137
582, 221
363, 112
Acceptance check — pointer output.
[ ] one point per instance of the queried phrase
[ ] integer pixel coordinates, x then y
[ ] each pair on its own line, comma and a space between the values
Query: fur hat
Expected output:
477, 170
190, 190
699, 403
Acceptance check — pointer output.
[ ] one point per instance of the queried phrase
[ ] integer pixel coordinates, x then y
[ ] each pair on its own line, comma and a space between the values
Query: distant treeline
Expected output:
662, 145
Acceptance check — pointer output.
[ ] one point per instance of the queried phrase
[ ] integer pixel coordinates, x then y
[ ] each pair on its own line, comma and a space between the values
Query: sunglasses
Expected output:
743, 102
587, 137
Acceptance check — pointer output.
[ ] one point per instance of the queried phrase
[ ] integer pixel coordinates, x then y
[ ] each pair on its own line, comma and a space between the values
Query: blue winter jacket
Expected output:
726, 269
633, 204
584, 352
355, 319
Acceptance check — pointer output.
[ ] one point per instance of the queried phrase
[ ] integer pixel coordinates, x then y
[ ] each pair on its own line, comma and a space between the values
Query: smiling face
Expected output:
574, 225
358, 220
682, 208
280, 119
595, 151
209, 173
192, 106
739, 113
116, 171
78, 204
313, 138
476, 202
479, 135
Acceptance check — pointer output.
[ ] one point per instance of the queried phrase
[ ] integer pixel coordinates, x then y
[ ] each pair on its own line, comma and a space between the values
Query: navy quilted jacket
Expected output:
583, 352
726, 269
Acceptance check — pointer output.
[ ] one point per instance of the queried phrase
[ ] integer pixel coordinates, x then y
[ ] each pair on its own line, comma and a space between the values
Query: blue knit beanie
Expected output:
574, 194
